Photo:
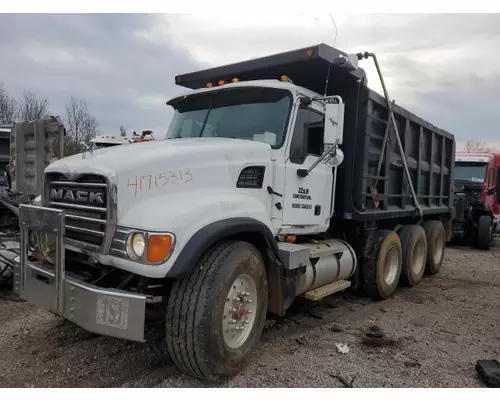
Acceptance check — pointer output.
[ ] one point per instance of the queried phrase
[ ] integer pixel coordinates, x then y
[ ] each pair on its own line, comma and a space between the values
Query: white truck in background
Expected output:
279, 177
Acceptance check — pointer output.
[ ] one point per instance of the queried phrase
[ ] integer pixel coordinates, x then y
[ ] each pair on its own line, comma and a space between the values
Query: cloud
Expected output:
443, 67
119, 63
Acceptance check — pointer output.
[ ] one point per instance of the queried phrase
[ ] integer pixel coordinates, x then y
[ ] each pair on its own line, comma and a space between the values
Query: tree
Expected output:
476, 146
7, 106
81, 127
31, 107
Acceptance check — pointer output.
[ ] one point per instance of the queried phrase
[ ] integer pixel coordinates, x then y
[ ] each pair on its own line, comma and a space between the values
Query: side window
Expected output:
307, 135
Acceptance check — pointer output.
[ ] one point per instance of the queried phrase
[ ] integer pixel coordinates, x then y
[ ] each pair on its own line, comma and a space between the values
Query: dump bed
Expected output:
362, 194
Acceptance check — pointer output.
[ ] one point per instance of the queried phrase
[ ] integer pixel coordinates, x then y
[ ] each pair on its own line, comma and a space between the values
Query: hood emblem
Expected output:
80, 196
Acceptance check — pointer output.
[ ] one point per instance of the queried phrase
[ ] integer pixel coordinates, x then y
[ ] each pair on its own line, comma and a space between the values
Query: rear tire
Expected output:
484, 232
381, 272
435, 233
215, 316
414, 244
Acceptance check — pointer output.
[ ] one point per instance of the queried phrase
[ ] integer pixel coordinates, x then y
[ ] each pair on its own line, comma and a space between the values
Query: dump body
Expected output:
429, 153
429, 150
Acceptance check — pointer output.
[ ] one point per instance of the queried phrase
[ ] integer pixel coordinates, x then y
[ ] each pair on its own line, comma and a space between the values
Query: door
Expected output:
307, 200
490, 186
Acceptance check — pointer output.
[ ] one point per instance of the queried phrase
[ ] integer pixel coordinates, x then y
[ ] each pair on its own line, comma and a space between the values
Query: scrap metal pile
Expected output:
9, 230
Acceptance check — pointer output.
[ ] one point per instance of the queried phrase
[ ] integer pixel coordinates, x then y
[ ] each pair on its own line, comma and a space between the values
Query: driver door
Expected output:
307, 200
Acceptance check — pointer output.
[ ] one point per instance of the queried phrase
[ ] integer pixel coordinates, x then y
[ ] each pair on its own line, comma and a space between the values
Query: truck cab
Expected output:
477, 196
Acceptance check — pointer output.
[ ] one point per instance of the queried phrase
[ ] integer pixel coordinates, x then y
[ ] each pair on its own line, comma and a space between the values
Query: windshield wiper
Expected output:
205, 121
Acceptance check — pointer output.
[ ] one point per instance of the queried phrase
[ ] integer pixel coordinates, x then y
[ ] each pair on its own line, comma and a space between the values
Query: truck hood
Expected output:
168, 168
130, 156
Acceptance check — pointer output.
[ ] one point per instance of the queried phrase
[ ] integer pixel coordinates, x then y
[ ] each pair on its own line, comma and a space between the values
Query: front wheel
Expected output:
484, 232
215, 316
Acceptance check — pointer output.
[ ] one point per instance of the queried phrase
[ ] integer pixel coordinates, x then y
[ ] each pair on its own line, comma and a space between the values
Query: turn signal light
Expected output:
159, 247
309, 52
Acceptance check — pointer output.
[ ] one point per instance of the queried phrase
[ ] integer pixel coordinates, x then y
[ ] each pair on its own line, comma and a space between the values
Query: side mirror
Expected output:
336, 158
334, 123
491, 191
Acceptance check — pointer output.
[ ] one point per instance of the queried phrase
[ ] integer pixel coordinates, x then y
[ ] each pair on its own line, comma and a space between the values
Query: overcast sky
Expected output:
445, 68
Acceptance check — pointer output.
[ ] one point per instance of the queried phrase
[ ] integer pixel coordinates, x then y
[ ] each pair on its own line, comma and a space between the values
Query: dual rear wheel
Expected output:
402, 259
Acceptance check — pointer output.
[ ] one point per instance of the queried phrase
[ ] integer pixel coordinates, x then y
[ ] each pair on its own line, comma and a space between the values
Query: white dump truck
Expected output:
279, 177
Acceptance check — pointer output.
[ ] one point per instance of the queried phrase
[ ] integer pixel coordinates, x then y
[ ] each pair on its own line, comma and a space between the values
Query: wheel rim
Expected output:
418, 257
391, 266
438, 249
239, 311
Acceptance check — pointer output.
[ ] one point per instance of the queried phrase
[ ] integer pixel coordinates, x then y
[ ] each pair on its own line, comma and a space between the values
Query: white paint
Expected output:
183, 185
472, 158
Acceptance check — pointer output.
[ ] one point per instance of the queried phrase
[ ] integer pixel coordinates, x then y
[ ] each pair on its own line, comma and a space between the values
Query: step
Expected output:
327, 290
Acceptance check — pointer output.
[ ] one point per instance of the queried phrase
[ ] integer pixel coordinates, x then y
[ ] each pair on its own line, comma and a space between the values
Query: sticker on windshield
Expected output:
477, 180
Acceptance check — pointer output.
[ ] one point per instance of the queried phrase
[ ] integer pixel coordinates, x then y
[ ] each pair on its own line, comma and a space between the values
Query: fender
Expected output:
206, 237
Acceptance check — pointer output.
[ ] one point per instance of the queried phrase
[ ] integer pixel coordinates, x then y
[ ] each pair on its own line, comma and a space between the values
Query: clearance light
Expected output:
235, 80
284, 78
221, 83
309, 52
209, 85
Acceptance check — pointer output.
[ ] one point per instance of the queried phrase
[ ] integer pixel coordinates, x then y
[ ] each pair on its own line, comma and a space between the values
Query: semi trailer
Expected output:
279, 177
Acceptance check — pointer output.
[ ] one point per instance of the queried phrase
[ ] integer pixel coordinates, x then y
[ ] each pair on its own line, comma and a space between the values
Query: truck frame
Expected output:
279, 177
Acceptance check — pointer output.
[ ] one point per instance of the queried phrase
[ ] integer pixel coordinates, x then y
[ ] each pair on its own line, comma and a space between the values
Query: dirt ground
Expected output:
439, 330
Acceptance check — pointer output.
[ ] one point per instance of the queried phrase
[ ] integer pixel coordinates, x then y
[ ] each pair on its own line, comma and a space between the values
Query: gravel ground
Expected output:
438, 331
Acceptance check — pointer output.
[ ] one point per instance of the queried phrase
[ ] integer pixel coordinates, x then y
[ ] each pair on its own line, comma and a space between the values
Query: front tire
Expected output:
215, 316
484, 232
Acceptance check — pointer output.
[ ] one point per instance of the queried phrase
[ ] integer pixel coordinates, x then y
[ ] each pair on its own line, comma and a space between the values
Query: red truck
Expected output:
477, 197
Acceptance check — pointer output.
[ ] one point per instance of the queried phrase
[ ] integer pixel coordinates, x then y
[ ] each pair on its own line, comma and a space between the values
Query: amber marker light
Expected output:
159, 247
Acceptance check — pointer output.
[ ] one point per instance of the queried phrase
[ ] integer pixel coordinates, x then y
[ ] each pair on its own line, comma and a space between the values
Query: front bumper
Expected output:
103, 311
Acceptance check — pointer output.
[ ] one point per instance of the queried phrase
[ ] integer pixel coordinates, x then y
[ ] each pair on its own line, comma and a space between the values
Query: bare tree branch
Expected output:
7, 106
80, 126
476, 146
30, 107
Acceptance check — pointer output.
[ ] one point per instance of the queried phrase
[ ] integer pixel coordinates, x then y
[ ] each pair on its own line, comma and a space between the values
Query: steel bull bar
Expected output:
104, 311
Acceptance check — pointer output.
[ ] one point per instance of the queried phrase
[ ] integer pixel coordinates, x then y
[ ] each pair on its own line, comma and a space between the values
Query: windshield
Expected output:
470, 171
259, 114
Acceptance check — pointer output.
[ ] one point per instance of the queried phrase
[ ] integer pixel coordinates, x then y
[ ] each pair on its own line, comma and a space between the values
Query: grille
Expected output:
84, 202
251, 178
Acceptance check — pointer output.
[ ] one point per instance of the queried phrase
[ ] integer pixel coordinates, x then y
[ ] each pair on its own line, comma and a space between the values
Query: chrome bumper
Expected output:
103, 311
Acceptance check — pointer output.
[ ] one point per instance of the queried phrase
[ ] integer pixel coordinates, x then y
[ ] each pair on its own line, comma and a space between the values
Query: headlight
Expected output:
47, 247
136, 244
149, 248
33, 241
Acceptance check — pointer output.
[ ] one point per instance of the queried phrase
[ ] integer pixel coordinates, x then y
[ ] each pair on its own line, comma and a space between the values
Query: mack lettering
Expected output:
79, 196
